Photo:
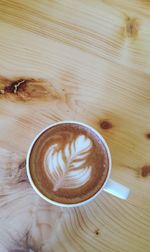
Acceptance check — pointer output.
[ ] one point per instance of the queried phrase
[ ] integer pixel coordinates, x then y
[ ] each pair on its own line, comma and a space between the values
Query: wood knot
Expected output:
145, 170
131, 28
15, 86
25, 89
147, 135
105, 124
97, 231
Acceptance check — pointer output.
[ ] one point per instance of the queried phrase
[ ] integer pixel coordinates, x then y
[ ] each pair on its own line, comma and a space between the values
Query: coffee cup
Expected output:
69, 164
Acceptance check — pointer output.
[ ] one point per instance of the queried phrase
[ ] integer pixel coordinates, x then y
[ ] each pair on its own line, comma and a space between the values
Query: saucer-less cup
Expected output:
109, 185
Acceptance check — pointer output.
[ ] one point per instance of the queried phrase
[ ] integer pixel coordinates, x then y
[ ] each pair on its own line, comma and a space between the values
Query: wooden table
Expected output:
86, 60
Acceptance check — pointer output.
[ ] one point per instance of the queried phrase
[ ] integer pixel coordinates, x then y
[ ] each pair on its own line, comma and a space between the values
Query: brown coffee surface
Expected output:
68, 163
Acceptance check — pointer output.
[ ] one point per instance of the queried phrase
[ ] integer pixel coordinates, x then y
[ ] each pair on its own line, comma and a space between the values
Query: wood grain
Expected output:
83, 60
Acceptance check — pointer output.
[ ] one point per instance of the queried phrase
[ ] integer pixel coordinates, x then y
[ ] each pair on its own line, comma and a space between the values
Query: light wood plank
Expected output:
80, 60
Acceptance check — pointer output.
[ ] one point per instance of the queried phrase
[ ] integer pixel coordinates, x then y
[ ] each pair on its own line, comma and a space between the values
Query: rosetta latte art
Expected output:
68, 168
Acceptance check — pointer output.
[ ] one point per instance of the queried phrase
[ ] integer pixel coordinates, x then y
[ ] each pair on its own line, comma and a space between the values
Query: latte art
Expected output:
68, 163
68, 168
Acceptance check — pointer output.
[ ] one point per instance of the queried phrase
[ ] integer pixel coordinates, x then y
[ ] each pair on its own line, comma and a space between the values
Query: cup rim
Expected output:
55, 202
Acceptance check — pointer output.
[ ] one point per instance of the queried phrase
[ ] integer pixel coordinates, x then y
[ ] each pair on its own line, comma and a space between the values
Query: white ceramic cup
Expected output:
109, 185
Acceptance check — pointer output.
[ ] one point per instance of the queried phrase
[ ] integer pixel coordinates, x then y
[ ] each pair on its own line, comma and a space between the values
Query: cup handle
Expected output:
116, 189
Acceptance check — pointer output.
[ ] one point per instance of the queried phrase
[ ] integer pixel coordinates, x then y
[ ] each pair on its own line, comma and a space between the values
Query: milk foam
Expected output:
67, 168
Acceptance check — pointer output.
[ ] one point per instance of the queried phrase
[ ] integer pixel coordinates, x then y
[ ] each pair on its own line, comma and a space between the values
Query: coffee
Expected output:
68, 163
